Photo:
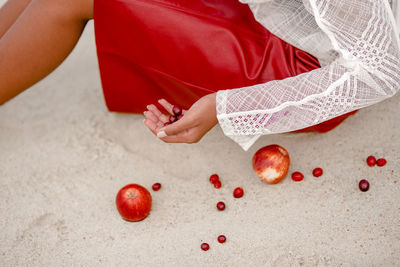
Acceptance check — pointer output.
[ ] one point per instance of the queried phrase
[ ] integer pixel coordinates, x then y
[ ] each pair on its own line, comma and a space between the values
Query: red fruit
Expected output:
371, 160
238, 192
381, 162
217, 184
205, 246
214, 178
297, 176
177, 110
271, 163
172, 119
167, 123
221, 239
317, 172
156, 186
180, 116
363, 185
133, 202
221, 205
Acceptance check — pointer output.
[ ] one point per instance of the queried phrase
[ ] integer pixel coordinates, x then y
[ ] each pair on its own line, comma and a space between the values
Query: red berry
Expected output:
363, 185
238, 192
177, 110
167, 123
214, 178
205, 246
317, 172
180, 117
297, 176
371, 160
221, 239
172, 119
381, 162
156, 186
221, 205
217, 184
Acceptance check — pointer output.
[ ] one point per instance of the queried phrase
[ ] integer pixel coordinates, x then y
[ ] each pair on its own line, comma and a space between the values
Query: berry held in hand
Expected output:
177, 110
172, 119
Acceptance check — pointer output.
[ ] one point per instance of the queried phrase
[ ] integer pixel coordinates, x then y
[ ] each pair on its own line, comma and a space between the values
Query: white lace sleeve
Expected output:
366, 71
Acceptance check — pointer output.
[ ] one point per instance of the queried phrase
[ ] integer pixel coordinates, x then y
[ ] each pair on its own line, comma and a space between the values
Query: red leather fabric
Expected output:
181, 50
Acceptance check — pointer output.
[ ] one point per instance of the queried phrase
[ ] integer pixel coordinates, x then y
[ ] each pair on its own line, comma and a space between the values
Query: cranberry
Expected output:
180, 116
177, 110
297, 176
214, 178
317, 172
205, 246
381, 162
363, 185
156, 186
238, 192
167, 123
217, 184
371, 160
221, 205
172, 119
221, 239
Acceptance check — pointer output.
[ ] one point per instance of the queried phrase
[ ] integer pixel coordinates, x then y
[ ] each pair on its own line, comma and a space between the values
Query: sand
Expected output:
63, 158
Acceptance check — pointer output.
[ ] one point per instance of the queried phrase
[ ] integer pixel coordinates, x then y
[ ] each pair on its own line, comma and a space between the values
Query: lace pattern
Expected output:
357, 44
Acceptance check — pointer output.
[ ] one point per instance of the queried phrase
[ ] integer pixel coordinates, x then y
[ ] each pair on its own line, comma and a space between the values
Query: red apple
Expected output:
133, 202
271, 163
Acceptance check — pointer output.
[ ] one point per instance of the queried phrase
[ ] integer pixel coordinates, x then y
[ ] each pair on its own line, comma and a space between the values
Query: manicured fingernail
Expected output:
161, 134
147, 106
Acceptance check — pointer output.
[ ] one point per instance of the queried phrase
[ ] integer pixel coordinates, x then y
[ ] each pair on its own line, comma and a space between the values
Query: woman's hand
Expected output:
196, 122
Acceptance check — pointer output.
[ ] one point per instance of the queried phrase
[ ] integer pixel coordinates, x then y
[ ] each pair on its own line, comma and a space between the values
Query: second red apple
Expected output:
271, 163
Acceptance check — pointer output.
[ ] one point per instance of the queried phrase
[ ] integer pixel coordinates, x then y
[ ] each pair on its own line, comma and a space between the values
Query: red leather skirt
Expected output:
181, 50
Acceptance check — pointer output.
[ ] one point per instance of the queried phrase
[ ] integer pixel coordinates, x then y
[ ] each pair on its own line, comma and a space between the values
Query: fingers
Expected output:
182, 131
150, 116
168, 107
184, 136
179, 126
188, 136
154, 119
155, 114
151, 125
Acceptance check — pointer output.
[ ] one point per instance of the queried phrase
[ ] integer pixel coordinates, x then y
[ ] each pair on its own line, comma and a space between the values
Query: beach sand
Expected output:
63, 158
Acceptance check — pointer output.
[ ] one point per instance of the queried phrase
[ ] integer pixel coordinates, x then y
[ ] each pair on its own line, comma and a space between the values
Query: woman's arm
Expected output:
366, 71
